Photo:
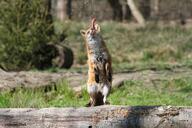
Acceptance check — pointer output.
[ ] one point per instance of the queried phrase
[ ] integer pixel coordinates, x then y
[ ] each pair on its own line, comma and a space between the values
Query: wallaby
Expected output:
99, 62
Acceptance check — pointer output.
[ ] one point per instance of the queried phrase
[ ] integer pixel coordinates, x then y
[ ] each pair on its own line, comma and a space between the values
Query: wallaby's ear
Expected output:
82, 32
97, 27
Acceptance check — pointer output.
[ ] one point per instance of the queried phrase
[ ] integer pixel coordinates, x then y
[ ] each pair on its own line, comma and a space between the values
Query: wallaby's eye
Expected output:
88, 32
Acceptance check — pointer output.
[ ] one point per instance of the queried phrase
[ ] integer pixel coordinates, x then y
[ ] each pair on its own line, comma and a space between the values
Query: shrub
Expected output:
24, 27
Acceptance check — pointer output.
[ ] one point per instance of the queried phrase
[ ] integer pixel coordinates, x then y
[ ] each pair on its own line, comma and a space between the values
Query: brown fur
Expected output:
99, 62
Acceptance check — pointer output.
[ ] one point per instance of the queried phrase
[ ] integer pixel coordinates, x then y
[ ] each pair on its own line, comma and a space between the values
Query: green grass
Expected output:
153, 47
134, 46
173, 92
62, 96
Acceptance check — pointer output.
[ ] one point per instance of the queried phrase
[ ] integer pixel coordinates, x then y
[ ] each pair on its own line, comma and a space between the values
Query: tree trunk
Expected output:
63, 9
145, 9
103, 116
126, 12
117, 9
49, 18
154, 9
135, 12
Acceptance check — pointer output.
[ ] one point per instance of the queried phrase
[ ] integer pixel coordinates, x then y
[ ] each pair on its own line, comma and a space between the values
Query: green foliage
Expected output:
24, 25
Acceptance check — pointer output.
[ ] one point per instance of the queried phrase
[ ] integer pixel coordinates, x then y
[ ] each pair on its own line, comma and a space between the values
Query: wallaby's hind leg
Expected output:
91, 103
92, 90
105, 92
95, 100
88, 104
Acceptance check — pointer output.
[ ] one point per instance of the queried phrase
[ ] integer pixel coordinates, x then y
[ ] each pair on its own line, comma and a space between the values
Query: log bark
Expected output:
102, 116
135, 12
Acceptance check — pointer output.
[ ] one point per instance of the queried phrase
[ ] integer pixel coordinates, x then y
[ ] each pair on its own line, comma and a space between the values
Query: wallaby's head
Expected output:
92, 32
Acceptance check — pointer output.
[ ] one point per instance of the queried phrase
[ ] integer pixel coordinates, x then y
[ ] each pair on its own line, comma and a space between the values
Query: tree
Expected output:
23, 27
63, 9
135, 12
26, 31
117, 9
154, 8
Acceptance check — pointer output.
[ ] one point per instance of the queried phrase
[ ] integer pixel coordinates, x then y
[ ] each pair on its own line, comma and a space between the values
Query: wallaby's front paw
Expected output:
96, 75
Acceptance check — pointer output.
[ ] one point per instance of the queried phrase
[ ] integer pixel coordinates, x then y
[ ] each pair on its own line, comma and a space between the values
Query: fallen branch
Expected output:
103, 116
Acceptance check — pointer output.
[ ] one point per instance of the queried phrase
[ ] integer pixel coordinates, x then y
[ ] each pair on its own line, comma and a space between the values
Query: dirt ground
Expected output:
35, 79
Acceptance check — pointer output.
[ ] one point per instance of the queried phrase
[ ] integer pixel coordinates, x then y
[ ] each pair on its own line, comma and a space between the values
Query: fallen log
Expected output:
77, 81
52, 55
102, 116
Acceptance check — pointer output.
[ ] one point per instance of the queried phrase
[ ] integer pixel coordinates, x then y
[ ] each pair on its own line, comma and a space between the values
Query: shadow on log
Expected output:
103, 116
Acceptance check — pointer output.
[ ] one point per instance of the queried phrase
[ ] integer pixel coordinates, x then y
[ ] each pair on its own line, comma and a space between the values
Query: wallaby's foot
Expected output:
88, 104
107, 103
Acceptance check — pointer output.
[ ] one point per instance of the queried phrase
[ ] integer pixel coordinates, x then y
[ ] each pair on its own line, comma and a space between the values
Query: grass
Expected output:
37, 98
131, 48
134, 47
129, 45
176, 92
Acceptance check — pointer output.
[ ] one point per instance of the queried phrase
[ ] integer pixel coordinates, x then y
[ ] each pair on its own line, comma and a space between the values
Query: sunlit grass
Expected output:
173, 92
176, 92
157, 48
61, 96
